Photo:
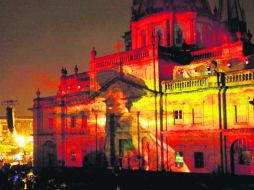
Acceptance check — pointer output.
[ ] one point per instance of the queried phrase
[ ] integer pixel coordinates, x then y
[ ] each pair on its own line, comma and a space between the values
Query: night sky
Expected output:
38, 37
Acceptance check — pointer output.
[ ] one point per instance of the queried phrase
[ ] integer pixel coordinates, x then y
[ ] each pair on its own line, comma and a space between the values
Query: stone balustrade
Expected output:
244, 77
224, 51
188, 84
128, 57
240, 78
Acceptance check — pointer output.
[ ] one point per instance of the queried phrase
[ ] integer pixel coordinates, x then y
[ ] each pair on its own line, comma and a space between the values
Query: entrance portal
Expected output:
240, 156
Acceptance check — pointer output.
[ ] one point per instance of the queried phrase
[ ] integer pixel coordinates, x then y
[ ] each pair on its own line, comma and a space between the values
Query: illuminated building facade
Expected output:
180, 98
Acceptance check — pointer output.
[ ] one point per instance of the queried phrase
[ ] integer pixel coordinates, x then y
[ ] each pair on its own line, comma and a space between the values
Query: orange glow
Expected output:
45, 81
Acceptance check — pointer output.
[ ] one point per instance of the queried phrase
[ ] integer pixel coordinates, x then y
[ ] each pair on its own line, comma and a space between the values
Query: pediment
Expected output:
129, 85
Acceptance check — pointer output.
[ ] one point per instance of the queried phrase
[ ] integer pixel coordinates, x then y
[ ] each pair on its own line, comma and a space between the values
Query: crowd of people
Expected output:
24, 177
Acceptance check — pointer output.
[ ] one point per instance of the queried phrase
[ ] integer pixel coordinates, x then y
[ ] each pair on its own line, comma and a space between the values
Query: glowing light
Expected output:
30, 174
179, 158
20, 141
145, 124
118, 46
79, 87
102, 121
18, 157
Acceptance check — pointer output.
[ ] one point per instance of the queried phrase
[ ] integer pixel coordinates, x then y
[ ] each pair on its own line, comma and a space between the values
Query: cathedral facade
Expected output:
180, 98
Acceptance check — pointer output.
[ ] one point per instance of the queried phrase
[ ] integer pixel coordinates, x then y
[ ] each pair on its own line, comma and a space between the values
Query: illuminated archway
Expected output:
241, 152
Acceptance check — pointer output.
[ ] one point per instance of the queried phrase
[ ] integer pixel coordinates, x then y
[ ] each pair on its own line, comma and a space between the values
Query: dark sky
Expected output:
38, 37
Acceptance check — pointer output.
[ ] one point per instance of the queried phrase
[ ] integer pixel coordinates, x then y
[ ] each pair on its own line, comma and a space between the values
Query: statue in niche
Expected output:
179, 36
198, 38
159, 37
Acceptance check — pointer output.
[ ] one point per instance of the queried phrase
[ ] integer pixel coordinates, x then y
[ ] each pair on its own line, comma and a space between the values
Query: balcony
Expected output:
238, 78
128, 57
225, 51
189, 84
244, 77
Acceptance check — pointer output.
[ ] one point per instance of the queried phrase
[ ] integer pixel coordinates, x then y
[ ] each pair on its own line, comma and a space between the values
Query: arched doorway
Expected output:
240, 157
49, 154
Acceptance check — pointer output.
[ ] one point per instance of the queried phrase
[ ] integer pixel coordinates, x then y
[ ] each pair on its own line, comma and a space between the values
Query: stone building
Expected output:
179, 98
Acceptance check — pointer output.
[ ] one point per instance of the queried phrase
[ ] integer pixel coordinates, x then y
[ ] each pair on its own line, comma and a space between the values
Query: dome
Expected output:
142, 8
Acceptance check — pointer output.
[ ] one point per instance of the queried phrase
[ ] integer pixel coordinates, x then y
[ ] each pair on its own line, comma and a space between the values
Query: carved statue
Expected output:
249, 35
64, 71
76, 69
179, 36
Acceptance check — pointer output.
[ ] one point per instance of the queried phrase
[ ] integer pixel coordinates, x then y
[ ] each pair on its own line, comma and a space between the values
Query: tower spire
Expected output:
223, 10
232, 13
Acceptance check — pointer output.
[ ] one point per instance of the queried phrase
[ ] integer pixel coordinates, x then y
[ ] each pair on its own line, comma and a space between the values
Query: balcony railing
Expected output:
245, 77
240, 78
124, 57
224, 51
190, 84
